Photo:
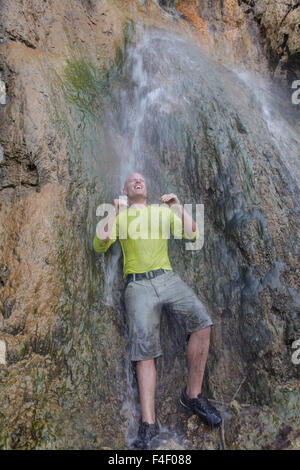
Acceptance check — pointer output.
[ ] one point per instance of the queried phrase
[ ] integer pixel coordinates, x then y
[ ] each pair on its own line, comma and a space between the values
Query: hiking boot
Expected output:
145, 434
202, 408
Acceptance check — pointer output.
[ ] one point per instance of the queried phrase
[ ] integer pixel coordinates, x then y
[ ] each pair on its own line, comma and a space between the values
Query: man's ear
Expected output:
125, 191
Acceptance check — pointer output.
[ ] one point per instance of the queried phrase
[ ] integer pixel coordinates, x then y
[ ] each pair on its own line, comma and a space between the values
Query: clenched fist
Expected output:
170, 199
120, 204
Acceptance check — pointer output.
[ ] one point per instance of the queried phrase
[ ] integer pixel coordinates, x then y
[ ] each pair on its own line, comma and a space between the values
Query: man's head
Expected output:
135, 188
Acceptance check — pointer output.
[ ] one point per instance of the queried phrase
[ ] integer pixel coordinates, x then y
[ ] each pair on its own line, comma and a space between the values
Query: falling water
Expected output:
192, 126
170, 91
284, 134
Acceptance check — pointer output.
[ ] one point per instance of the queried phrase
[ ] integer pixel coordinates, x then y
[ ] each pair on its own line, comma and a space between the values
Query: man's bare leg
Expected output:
197, 352
146, 375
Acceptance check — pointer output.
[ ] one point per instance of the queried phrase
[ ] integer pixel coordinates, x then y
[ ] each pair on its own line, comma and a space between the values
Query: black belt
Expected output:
148, 275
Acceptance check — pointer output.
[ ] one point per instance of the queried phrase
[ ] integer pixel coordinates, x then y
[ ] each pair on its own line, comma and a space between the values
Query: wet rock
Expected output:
235, 408
67, 70
168, 3
267, 428
278, 23
171, 445
4, 274
7, 307
192, 423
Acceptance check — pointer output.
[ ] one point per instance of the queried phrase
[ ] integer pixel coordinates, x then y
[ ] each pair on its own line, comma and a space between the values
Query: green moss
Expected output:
84, 84
287, 403
129, 29
22, 349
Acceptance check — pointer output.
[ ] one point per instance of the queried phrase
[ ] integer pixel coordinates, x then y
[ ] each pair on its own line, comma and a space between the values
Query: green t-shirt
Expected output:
143, 235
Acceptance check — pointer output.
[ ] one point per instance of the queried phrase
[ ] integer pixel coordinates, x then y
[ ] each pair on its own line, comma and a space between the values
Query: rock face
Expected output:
275, 24
89, 94
42, 238
279, 25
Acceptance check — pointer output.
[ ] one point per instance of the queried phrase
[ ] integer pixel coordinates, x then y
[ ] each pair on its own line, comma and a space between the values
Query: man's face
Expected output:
135, 186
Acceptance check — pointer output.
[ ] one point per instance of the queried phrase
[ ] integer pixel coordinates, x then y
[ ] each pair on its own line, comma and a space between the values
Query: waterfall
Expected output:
283, 132
193, 126
89, 93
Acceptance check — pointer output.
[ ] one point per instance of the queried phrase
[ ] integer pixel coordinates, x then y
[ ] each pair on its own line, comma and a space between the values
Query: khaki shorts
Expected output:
144, 301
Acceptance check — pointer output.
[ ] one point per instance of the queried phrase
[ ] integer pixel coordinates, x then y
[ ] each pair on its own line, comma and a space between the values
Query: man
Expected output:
150, 285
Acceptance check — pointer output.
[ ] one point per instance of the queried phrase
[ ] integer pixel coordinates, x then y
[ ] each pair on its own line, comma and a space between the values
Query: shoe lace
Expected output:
204, 405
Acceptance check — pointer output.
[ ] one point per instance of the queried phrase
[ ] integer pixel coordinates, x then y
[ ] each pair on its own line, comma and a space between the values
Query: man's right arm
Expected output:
105, 235
100, 246
107, 231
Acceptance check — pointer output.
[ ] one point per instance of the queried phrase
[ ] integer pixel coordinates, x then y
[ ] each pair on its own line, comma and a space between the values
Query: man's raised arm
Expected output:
190, 227
106, 230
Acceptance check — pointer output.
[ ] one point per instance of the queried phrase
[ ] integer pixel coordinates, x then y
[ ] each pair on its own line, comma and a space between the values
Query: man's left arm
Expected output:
189, 225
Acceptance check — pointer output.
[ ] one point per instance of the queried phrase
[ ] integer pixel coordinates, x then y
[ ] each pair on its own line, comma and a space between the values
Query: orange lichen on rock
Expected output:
233, 16
189, 9
149, 12
33, 287
236, 25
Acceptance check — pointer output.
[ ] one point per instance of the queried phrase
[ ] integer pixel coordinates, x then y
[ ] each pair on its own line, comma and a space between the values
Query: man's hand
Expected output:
120, 204
173, 202
170, 199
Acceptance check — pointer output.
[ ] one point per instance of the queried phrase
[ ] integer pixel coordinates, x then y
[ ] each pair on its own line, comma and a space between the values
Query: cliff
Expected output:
89, 91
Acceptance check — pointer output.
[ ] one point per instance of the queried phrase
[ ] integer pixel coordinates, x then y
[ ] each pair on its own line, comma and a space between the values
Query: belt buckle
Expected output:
151, 274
